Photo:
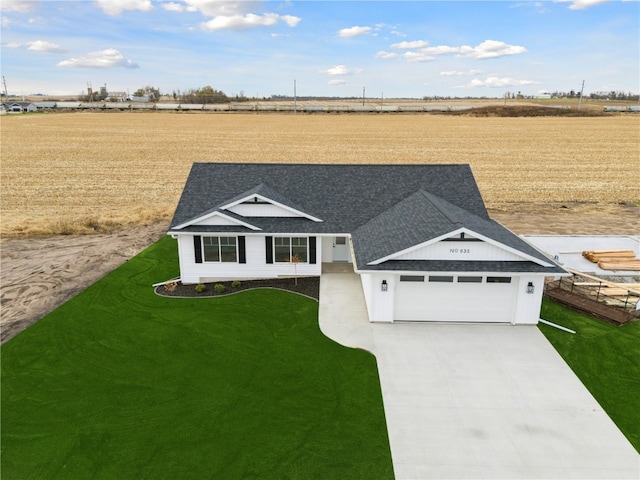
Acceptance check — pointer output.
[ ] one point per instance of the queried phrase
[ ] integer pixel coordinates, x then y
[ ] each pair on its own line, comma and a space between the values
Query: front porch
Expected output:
337, 267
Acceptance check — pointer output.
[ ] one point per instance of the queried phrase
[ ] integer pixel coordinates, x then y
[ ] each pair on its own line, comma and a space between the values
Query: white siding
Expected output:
261, 210
256, 266
527, 311
379, 303
216, 220
459, 251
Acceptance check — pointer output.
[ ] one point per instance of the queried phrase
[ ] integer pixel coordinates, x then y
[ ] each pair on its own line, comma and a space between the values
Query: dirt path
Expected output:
39, 274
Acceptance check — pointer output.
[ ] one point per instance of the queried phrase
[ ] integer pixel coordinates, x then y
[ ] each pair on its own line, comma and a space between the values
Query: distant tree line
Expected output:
206, 94
615, 95
602, 95
152, 93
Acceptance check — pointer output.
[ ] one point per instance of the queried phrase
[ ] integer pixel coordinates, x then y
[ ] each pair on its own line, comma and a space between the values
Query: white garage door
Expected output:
443, 298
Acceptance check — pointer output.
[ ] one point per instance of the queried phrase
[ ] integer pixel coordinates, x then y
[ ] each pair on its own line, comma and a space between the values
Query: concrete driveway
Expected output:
478, 401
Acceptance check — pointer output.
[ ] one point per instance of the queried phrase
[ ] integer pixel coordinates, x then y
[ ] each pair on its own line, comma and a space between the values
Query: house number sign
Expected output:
461, 251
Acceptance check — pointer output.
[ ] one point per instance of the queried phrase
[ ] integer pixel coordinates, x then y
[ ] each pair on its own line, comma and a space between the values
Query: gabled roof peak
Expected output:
443, 207
267, 194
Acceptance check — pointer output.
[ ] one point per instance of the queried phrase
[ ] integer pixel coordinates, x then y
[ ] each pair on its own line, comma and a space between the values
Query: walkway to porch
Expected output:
337, 267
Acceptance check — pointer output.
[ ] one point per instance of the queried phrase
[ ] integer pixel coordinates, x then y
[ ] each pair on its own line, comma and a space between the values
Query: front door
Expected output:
340, 249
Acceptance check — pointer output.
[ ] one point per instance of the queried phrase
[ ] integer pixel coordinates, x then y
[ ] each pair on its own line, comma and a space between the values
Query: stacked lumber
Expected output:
613, 259
614, 292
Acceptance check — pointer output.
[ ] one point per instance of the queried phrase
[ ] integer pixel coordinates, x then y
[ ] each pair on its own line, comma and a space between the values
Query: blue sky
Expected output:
330, 48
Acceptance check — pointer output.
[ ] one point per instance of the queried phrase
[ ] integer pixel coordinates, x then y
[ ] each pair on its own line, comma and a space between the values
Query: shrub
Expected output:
170, 286
201, 287
219, 288
235, 283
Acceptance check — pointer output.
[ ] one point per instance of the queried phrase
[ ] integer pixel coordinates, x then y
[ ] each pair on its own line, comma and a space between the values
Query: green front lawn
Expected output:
119, 383
606, 358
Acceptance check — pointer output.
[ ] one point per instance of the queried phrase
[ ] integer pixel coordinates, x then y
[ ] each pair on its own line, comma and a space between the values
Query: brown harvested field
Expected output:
75, 172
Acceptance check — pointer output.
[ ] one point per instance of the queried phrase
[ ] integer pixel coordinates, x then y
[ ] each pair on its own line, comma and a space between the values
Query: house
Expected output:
19, 107
419, 237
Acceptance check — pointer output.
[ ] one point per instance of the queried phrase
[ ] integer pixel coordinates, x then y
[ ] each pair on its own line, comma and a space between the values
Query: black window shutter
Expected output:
312, 249
197, 246
242, 250
268, 241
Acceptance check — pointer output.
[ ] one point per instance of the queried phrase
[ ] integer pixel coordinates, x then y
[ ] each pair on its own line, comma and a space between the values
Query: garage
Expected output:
455, 298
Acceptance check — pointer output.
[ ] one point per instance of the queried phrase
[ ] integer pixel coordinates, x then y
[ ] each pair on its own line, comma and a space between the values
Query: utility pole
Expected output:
295, 102
4, 83
363, 96
581, 93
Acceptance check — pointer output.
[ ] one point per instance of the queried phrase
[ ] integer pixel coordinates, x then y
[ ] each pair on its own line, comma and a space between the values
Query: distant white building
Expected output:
142, 99
116, 97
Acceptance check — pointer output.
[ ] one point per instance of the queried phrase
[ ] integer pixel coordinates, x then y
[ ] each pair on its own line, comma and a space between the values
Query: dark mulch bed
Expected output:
309, 286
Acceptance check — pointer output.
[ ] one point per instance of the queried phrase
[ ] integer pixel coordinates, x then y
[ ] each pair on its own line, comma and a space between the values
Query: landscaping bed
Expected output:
308, 286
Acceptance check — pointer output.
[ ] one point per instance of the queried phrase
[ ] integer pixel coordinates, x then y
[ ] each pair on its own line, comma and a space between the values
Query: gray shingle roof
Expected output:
386, 208
270, 193
343, 196
423, 217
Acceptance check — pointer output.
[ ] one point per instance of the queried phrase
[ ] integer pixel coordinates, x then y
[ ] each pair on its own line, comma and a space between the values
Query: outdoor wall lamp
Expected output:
530, 287
384, 287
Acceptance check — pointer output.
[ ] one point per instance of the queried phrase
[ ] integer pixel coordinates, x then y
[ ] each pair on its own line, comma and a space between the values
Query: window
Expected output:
498, 279
462, 279
412, 278
219, 249
284, 248
440, 278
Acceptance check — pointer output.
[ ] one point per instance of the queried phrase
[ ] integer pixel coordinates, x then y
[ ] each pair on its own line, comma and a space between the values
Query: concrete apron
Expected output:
477, 401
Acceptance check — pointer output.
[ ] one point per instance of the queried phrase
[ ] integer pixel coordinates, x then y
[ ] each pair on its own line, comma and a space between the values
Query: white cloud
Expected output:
386, 55
337, 83
484, 50
337, 70
413, 44
250, 20
497, 82
116, 7
239, 22
583, 4
230, 15
354, 32
291, 20
415, 57
493, 49
455, 73
215, 8
38, 46
109, 58
441, 50
173, 7
17, 6
42, 46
